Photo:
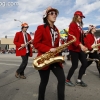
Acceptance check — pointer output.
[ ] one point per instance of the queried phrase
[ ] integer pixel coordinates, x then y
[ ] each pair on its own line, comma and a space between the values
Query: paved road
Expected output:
12, 88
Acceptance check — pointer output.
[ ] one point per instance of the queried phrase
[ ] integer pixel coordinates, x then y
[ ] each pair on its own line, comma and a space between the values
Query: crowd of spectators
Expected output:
9, 51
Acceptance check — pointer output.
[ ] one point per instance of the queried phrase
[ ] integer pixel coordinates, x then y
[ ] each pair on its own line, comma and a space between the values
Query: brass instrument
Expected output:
48, 58
90, 59
95, 48
98, 61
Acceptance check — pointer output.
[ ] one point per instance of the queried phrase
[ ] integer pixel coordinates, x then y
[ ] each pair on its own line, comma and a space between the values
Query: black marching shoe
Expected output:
81, 84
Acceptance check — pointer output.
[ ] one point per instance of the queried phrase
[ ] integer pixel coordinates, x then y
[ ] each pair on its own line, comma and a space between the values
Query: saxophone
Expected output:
95, 48
48, 58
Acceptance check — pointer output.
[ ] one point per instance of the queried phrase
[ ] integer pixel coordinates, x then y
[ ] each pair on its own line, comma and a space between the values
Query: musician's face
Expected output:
25, 28
94, 30
79, 18
52, 15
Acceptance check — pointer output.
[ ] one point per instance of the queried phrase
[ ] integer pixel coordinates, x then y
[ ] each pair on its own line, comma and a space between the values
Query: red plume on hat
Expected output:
79, 13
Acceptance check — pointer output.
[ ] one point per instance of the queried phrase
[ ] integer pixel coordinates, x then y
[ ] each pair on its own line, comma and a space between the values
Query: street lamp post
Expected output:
18, 20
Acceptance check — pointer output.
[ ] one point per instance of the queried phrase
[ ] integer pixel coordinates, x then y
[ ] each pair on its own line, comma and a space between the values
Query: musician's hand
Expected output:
32, 46
92, 51
22, 45
31, 41
83, 48
53, 49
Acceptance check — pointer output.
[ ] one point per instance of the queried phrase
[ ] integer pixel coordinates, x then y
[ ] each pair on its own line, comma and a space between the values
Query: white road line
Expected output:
17, 60
11, 64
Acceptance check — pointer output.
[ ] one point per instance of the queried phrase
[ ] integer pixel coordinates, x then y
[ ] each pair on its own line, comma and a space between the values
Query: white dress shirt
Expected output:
27, 51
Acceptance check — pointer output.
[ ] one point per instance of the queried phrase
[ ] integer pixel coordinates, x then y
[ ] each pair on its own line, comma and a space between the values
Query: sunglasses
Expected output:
52, 13
26, 27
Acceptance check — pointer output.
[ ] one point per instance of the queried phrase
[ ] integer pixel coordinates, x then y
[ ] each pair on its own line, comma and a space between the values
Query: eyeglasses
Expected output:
52, 13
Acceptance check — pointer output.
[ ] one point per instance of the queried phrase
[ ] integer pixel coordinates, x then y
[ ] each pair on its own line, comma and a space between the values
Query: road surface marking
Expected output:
12, 64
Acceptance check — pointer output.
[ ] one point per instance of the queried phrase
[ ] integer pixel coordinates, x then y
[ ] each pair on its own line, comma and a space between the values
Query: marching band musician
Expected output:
77, 49
89, 41
47, 39
61, 41
98, 41
20, 39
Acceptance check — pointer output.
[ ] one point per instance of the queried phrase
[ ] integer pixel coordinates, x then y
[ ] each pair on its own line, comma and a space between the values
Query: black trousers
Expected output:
75, 57
44, 75
69, 56
94, 56
23, 65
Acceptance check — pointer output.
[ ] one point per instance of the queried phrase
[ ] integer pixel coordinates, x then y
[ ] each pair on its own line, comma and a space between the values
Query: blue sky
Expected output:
32, 11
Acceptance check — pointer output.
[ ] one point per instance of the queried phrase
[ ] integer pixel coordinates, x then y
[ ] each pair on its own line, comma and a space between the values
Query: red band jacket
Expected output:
98, 41
18, 40
76, 31
43, 40
89, 40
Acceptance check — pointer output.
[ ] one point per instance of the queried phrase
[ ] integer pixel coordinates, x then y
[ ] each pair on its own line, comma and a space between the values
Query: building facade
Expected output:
6, 43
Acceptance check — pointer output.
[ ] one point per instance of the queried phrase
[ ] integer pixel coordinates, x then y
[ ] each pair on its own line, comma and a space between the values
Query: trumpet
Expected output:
95, 48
